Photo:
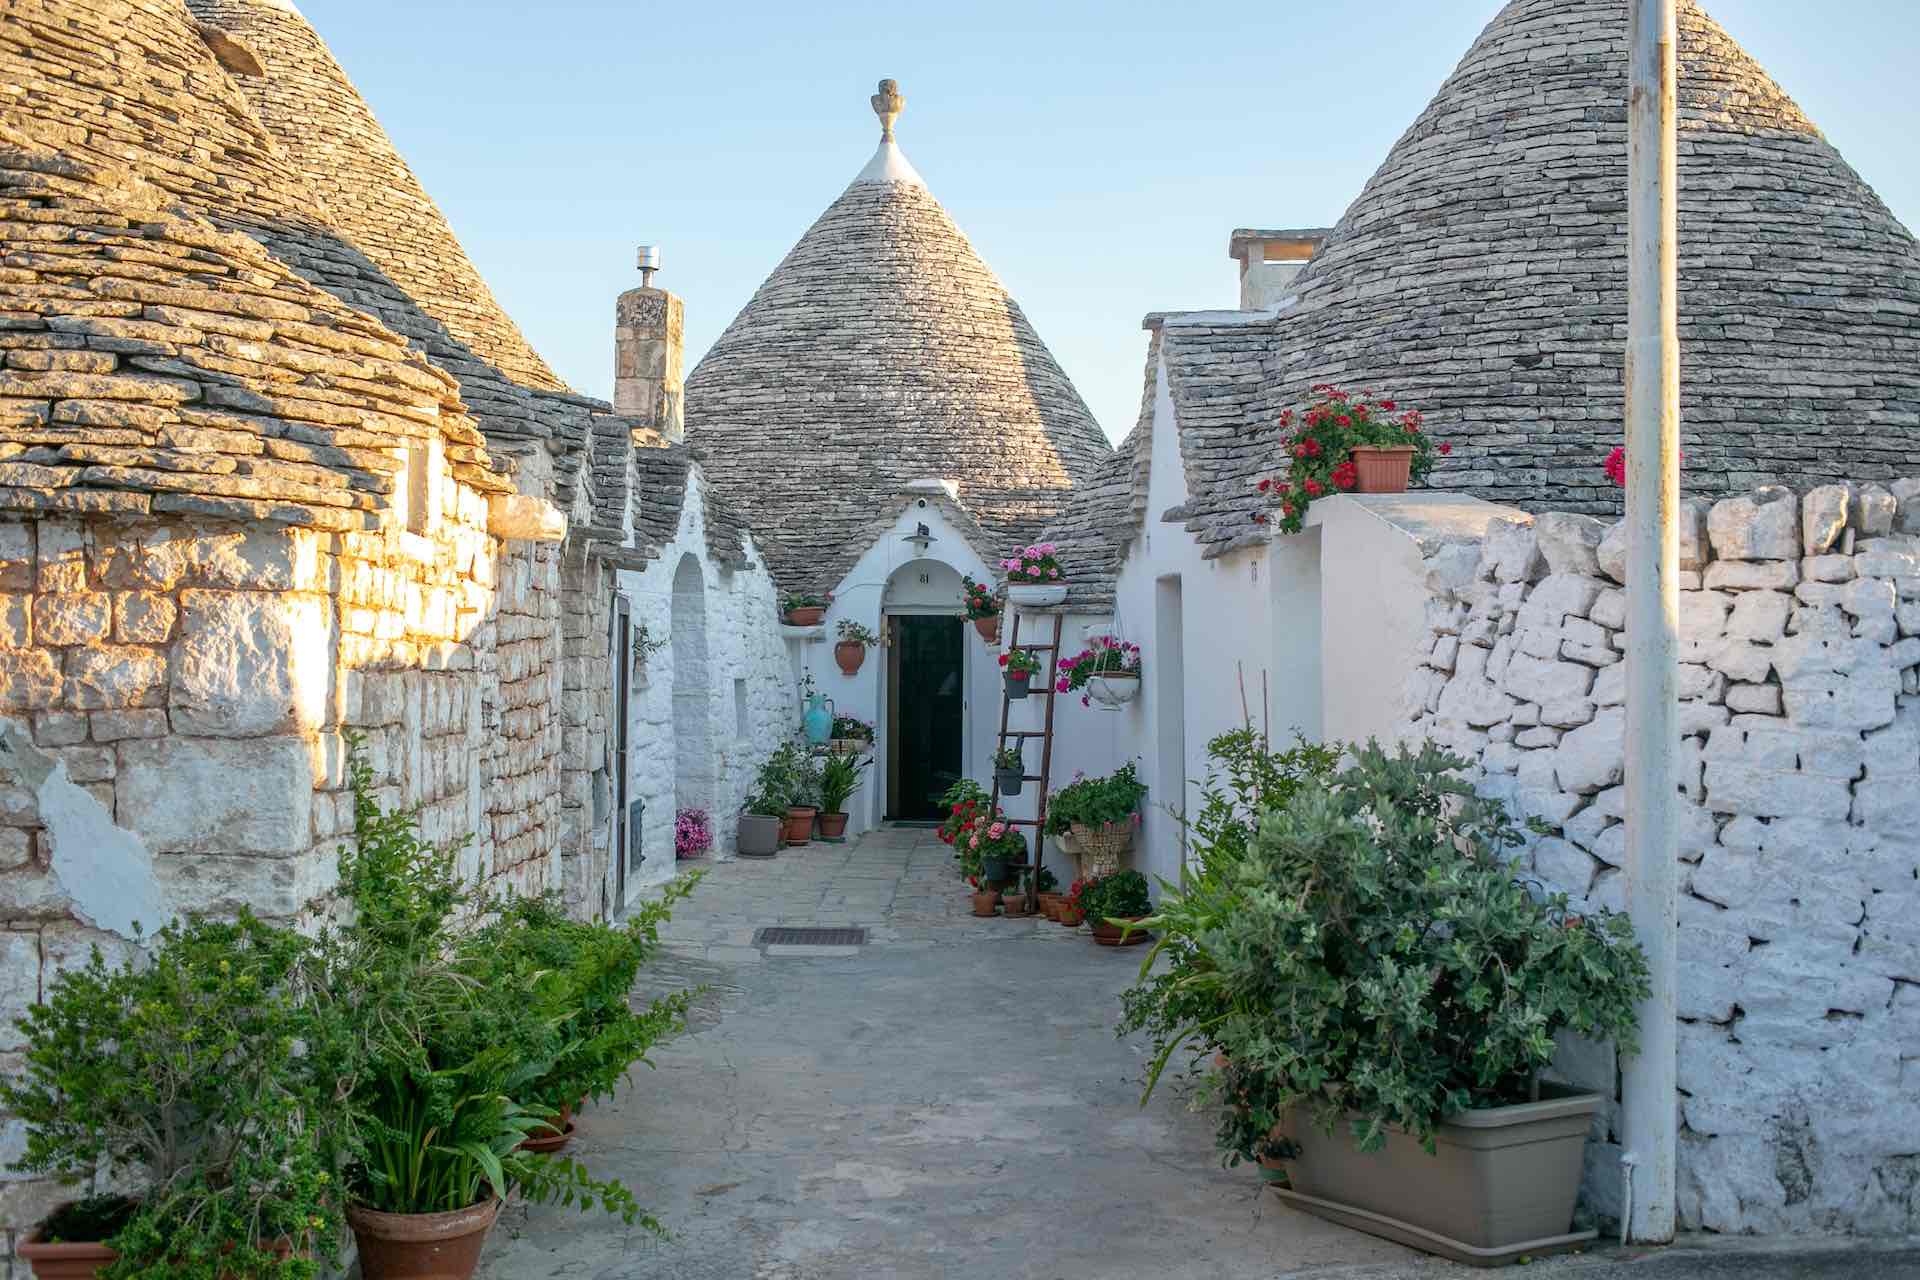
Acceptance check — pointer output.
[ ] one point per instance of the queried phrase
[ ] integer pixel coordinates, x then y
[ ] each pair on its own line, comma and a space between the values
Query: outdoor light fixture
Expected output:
921, 538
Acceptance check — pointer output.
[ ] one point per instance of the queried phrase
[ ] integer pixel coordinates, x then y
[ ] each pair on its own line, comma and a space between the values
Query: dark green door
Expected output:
927, 702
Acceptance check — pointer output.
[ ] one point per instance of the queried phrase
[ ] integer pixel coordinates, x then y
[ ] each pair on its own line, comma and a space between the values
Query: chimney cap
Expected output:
1294, 243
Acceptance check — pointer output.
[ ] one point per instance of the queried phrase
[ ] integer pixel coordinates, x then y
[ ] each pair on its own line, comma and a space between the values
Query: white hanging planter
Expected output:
1113, 690
1034, 595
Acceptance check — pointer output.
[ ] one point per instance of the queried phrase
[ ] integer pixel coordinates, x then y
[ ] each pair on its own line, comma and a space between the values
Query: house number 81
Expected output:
926, 578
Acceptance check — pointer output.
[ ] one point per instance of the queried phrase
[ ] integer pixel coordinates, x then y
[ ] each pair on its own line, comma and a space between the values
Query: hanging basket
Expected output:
1114, 689
1101, 848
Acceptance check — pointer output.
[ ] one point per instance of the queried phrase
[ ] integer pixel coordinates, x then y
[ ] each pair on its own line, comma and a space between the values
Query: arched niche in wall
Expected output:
922, 586
693, 775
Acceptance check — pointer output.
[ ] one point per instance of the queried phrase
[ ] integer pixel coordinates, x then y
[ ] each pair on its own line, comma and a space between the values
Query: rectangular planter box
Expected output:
1502, 1182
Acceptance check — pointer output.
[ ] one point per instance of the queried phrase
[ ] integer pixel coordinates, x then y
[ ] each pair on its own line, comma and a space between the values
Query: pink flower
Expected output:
1053, 573
997, 830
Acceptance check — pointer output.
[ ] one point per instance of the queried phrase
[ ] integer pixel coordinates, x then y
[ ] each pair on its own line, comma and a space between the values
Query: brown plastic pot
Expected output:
1501, 1182
805, 617
799, 828
1109, 935
989, 628
422, 1246
833, 825
1382, 468
849, 654
66, 1261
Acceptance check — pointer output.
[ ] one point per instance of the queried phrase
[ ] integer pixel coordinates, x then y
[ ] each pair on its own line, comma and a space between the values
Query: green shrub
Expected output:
840, 778
190, 1077
1121, 895
1372, 952
1096, 802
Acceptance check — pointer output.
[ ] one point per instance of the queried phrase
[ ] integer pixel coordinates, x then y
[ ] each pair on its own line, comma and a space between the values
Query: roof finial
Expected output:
888, 104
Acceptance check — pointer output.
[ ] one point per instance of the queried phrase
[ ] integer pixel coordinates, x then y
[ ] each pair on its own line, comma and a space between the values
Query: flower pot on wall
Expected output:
1010, 781
833, 825
759, 835
989, 628
1034, 595
1501, 1183
1381, 468
1017, 684
421, 1246
805, 617
849, 654
799, 824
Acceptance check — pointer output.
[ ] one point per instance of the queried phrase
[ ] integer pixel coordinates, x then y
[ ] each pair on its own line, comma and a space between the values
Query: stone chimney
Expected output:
648, 350
1269, 260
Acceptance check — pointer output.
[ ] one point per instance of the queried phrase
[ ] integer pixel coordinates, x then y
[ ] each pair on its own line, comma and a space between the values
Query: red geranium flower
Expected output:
1446, 449
1265, 485
1313, 489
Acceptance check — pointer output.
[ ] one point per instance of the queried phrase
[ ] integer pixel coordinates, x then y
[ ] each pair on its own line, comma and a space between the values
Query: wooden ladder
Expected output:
1039, 820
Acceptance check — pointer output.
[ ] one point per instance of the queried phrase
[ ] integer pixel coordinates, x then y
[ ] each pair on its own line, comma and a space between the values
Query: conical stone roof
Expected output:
1481, 275
880, 351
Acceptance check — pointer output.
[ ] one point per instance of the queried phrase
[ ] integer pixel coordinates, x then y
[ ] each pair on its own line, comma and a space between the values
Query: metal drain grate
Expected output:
789, 936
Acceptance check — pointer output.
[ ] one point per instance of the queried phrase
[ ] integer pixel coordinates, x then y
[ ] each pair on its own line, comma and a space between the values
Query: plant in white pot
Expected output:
1034, 578
1383, 994
1108, 670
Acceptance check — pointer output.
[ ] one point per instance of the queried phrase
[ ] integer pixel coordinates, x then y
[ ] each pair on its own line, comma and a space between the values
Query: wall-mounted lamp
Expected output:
921, 538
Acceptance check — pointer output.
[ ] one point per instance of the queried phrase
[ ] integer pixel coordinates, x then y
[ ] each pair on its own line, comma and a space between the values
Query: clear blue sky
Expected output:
1097, 154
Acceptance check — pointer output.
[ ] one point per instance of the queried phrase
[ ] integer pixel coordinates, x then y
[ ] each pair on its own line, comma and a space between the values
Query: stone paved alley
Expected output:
947, 1101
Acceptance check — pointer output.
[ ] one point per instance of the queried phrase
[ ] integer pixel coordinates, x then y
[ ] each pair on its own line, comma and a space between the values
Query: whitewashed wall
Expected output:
1799, 943
745, 698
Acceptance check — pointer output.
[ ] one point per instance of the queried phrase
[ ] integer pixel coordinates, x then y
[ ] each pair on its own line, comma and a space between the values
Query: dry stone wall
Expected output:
1799, 758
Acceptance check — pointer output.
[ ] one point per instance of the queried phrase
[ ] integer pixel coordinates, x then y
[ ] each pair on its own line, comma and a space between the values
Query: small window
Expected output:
740, 707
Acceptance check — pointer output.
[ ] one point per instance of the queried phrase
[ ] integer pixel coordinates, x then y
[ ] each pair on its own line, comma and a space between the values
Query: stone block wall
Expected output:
1799, 996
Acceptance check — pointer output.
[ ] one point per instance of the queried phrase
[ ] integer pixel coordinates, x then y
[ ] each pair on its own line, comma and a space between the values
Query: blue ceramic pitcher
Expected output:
818, 721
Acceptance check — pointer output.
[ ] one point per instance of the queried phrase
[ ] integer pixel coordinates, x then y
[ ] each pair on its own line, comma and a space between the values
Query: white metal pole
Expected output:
1649, 1102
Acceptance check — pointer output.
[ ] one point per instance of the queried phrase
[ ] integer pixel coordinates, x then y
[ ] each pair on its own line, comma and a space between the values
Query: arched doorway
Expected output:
693, 774
926, 687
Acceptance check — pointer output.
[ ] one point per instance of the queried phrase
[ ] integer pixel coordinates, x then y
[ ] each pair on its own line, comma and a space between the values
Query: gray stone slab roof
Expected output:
1481, 276
880, 351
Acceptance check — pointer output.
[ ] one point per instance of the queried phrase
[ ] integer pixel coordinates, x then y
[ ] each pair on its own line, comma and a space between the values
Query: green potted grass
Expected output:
839, 779
1391, 1068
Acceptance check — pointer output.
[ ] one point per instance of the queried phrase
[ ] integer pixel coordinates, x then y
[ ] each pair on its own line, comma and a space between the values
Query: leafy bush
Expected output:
1120, 895
853, 727
840, 778
849, 630
1010, 758
790, 777
198, 1078
1372, 952
1096, 802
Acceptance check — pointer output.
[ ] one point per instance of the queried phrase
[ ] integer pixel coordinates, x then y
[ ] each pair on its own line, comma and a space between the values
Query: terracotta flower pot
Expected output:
805, 617
849, 654
549, 1138
983, 902
799, 828
1108, 935
1016, 905
989, 628
422, 1246
1070, 916
66, 1261
1050, 905
833, 825
1381, 469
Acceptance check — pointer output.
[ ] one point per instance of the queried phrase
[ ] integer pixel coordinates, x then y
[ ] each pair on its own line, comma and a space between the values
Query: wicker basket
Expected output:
1102, 847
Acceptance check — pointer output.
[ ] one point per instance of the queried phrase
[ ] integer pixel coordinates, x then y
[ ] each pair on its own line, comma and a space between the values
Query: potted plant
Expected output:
1016, 900
692, 834
181, 1076
762, 819
986, 900
1000, 848
1070, 913
792, 777
1047, 887
1108, 669
851, 649
851, 733
968, 804
1019, 666
1101, 814
1114, 902
1009, 769
1394, 1062
1034, 577
1347, 444
839, 779
982, 608
804, 608
433, 1033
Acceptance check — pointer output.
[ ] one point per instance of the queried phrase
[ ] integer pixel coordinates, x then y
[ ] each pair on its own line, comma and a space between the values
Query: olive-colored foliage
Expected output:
189, 1074
1371, 951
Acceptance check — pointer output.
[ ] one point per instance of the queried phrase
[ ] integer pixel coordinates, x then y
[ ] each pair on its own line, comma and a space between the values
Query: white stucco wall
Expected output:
745, 691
